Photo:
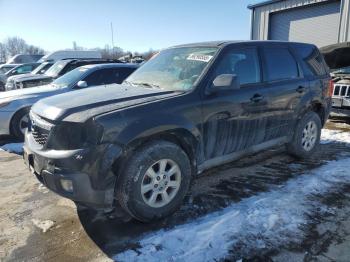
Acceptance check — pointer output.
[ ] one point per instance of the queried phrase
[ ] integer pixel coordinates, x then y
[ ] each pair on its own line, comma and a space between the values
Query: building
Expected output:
321, 22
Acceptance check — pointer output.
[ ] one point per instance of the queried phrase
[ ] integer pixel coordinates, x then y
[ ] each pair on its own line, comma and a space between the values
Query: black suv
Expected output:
56, 70
191, 107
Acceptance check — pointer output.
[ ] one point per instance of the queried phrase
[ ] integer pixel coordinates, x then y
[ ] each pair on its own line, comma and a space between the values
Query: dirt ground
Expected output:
38, 225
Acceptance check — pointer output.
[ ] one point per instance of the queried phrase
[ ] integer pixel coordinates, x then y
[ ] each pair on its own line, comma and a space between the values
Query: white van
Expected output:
64, 54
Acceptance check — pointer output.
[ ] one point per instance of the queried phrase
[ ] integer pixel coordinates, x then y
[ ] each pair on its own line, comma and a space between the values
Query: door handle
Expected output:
256, 98
300, 89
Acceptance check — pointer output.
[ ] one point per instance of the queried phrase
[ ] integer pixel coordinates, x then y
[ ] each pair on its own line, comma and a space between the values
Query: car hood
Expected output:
29, 92
80, 105
20, 77
337, 55
35, 77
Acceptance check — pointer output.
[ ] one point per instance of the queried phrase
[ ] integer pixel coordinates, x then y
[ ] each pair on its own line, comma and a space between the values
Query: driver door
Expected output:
233, 119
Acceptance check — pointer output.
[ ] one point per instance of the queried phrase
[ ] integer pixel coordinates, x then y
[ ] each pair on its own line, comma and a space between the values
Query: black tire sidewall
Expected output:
129, 189
296, 147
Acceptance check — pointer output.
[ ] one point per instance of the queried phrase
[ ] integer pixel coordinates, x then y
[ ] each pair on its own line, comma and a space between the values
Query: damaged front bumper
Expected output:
82, 175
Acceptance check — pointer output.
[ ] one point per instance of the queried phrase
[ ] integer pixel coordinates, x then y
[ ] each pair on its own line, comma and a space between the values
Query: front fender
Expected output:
146, 127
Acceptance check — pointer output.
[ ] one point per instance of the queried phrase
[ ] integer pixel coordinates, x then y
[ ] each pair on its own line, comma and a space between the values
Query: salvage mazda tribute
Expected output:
136, 146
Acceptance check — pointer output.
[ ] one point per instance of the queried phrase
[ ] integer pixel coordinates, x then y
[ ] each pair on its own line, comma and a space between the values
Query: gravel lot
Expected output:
37, 225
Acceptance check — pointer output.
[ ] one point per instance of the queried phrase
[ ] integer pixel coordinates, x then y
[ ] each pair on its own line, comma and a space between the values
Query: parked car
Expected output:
46, 62
6, 67
191, 107
338, 59
24, 58
56, 70
65, 54
15, 105
41, 69
18, 70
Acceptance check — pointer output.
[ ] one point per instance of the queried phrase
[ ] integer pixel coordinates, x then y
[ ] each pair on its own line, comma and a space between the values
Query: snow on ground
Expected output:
13, 148
265, 221
328, 136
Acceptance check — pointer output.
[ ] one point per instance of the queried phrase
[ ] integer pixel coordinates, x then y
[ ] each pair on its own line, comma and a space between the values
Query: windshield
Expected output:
344, 70
41, 68
56, 68
70, 77
174, 69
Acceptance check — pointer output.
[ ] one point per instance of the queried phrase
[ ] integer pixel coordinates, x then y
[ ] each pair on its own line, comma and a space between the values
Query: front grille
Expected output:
341, 91
40, 135
40, 129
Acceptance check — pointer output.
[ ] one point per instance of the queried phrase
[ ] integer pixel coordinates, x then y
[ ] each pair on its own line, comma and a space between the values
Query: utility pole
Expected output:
112, 40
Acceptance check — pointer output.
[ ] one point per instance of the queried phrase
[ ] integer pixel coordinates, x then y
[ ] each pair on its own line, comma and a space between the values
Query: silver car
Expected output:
15, 105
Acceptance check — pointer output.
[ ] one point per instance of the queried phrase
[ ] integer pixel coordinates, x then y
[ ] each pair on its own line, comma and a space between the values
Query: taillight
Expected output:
330, 88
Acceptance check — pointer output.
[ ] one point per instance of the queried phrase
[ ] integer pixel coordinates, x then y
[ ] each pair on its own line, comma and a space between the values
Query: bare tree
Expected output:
34, 50
15, 45
2, 53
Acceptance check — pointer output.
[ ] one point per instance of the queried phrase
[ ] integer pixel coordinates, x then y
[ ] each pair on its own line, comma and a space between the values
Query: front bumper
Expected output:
87, 169
340, 112
5, 120
10, 86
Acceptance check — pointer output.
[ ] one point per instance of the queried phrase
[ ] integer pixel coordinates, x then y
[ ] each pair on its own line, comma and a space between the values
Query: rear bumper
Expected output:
88, 171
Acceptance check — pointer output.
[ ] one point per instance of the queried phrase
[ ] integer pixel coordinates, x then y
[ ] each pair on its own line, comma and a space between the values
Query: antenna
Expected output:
112, 39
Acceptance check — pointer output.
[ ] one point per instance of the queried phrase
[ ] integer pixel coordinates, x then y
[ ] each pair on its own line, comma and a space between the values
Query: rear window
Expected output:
313, 59
280, 63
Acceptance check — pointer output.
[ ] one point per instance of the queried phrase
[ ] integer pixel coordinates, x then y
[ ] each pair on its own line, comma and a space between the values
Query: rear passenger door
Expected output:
285, 86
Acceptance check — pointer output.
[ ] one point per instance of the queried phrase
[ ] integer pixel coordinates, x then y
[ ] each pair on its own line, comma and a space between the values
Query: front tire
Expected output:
19, 123
306, 137
155, 181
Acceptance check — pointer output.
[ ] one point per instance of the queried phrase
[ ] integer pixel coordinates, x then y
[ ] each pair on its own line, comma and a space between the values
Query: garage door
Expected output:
317, 24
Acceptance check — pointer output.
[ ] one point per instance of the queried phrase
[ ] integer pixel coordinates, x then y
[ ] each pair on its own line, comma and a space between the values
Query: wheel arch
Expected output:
14, 115
179, 136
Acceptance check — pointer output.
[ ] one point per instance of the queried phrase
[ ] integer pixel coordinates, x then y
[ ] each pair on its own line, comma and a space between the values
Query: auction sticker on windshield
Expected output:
203, 58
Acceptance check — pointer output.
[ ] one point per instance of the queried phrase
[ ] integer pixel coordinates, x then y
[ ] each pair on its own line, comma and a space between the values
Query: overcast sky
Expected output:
138, 24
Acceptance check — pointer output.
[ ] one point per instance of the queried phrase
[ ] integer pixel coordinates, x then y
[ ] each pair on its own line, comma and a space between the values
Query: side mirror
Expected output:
82, 84
225, 82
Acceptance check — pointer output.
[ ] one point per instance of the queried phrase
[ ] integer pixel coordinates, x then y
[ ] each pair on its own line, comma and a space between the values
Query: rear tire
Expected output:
306, 137
19, 123
154, 181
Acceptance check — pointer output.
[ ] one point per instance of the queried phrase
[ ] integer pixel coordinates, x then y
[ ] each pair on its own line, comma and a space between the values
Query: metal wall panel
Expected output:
260, 25
261, 17
317, 24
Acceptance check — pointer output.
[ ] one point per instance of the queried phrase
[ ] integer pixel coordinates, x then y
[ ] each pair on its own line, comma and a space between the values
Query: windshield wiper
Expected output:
142, 84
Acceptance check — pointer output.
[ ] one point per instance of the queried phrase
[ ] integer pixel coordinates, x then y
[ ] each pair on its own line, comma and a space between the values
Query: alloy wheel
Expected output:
160, 183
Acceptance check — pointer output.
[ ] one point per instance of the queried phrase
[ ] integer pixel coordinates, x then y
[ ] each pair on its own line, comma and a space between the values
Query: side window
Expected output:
120, 74
242, 62
280, 63
95, 78
108, 76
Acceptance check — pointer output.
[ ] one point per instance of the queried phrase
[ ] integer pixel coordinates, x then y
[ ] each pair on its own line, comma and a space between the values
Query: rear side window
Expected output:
281, 64
313, 59
241, 62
